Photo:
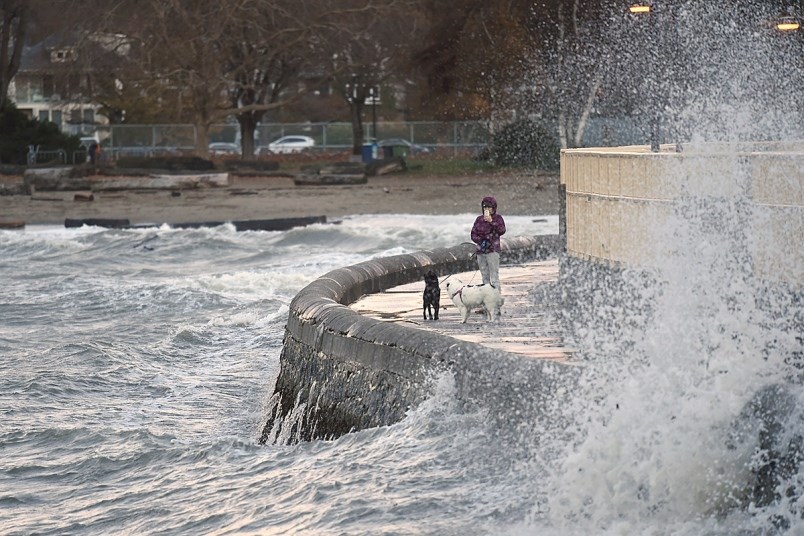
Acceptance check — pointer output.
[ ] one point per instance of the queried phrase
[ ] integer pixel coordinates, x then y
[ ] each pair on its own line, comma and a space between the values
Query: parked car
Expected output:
288, 144
220, 148
412, 149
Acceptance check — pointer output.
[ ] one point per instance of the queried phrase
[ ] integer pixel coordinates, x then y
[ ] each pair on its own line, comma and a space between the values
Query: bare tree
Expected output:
179, 64
476, 53
14, 16
270, 51
240, 57
572, 53
179, 44
370, 46
501, 59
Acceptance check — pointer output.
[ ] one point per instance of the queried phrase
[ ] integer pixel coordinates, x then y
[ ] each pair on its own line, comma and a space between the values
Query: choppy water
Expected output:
134, 370
136, 366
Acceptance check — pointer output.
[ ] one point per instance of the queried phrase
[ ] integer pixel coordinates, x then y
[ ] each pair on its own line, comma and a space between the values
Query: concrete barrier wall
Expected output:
341, 371
617, 199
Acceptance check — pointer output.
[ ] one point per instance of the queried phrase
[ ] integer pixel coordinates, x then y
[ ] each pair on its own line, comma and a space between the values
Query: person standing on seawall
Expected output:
486, 233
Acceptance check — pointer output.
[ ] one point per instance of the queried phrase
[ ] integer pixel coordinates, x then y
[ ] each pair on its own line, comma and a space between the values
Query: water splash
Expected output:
678, 355
690, 416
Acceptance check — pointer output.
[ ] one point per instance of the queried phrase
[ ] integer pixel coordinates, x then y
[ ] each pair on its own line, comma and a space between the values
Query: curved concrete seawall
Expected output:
634, 219
622, 201
341, 371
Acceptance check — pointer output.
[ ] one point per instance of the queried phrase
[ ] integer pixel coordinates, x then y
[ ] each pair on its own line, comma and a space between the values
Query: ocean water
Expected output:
136, 368
135, 371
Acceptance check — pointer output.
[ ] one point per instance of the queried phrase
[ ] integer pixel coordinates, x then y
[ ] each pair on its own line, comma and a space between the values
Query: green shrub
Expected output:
524, 143
19, 132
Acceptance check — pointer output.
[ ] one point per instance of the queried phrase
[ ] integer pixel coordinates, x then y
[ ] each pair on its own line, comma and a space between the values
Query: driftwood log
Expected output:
329, 174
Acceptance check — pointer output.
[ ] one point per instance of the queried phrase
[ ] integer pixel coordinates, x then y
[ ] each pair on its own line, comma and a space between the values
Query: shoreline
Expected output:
269, 197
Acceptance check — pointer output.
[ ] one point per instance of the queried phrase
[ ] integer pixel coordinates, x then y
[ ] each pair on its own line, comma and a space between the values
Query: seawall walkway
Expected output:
348, 364
526, 327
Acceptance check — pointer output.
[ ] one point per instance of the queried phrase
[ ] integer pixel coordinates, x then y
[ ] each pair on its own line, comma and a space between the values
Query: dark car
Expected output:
220, 148
403, 147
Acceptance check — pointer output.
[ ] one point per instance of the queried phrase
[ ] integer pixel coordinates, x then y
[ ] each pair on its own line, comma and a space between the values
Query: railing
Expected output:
79, 157
35, 156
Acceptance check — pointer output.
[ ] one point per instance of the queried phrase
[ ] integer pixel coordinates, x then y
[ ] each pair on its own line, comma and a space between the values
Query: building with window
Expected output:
53, 84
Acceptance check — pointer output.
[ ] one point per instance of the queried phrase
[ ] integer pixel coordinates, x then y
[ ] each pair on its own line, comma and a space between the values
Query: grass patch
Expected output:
416, 167
456, 166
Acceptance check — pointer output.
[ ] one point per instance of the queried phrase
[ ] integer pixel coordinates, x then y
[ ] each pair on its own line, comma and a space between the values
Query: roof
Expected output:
36, 56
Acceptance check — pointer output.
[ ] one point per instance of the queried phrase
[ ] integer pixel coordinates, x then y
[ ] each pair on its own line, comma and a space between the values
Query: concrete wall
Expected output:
341, 371
619, 199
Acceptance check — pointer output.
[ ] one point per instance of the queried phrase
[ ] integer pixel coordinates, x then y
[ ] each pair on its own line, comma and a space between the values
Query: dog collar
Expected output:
459, 294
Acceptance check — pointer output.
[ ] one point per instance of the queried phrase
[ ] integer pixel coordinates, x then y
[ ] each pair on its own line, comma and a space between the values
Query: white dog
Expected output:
468, 297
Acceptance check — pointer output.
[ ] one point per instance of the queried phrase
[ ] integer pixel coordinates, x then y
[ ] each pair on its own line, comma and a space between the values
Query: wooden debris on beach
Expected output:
275, 224
13, 189
386, 166
12, 224
163, 182
329, 174
57, 179
67, 178
250, 167
109, 223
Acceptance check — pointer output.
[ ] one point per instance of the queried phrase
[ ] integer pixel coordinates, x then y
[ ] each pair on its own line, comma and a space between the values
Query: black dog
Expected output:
431, 296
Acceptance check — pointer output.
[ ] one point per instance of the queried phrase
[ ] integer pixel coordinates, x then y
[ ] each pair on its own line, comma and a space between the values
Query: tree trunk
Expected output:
587, 109
357, 127
248, 124
202, 139
12, 35
562, 130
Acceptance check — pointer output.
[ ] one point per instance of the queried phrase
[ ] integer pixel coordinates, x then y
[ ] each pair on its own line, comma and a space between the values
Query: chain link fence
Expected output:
153, 140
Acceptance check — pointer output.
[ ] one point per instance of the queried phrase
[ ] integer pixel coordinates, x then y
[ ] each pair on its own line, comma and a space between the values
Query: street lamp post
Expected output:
358, 94
646, 9
790, 22
374, 96
661, 19
789, 27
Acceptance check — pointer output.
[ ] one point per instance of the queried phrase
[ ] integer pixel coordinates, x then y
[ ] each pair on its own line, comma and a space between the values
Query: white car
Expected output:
290, 144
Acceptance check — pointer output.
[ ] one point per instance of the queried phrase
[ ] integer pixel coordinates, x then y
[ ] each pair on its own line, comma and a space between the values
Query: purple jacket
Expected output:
491, 231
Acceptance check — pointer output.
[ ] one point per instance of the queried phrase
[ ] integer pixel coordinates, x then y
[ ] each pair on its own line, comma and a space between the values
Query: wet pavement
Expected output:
527, 326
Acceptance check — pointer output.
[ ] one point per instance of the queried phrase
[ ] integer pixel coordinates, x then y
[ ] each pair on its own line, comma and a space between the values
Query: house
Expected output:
55, 82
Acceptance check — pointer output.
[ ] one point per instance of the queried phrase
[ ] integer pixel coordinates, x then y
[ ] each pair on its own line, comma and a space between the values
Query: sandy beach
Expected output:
250, 198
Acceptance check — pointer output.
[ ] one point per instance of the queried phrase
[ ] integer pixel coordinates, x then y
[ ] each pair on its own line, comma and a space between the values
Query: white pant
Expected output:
489, 264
